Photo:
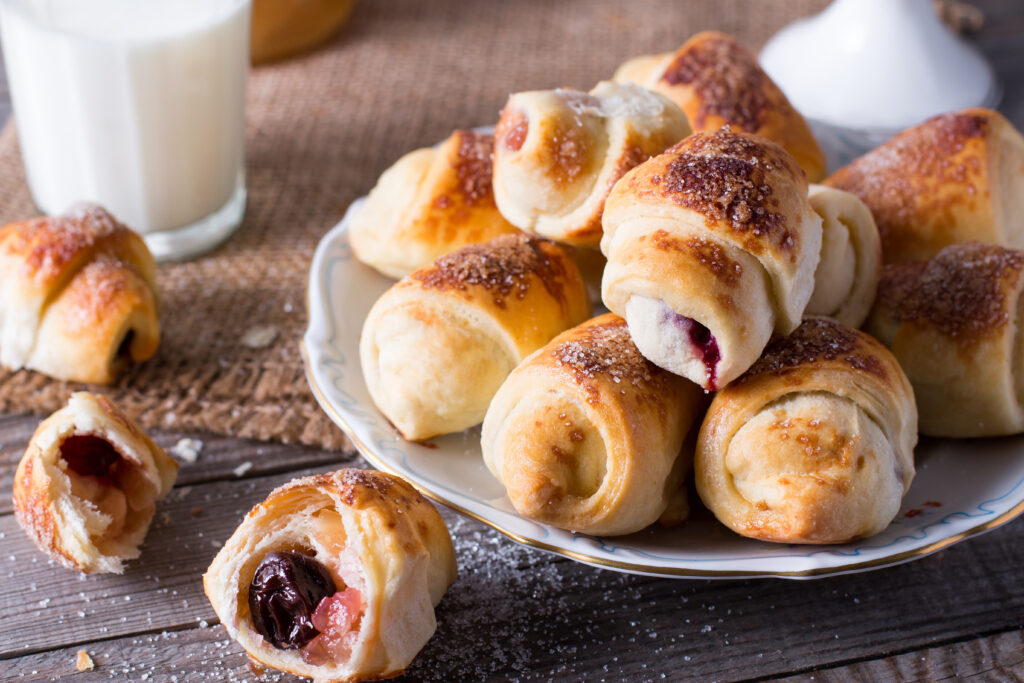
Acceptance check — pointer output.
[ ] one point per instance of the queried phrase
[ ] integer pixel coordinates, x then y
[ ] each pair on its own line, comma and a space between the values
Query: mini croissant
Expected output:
79, 296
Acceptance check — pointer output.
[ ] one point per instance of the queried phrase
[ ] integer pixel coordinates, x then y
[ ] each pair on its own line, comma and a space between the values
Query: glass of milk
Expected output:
138, 105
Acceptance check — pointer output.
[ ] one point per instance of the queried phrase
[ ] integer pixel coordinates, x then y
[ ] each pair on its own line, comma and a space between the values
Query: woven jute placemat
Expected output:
402, 74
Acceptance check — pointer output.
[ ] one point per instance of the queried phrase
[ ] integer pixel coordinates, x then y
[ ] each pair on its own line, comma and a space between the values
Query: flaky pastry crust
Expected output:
375, 534
86, 488
717, 82
813, 444
80, 296
431, 202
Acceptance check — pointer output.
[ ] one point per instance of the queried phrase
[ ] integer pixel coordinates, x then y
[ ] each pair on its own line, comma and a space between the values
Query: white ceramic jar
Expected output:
138, 105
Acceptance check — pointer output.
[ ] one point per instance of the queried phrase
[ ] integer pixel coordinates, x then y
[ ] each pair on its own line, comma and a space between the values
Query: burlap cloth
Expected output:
321, 128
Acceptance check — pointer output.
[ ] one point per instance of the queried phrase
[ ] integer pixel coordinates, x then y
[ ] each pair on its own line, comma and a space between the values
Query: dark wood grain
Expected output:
517, 613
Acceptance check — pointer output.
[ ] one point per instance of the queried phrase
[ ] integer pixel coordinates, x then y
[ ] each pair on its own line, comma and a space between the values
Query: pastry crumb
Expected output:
83, 662
242, 469
187, 450
259, 336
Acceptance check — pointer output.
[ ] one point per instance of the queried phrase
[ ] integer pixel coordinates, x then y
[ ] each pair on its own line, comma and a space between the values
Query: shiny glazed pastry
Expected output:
587, 434
953, 323
334, 577
86, 488
438, 344
717, 82
814, 444
557, 154
851, 257
80, 296
430, 202
711, 247
954, 178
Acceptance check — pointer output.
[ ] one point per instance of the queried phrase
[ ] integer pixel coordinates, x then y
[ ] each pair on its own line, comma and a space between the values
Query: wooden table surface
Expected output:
519, 613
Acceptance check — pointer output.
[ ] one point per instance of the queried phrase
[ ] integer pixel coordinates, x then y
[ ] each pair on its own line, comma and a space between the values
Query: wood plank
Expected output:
217, 459
546, 615
999, 657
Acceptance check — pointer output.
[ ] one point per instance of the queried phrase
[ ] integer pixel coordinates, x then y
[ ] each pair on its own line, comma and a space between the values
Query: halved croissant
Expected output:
431, 202
717, 82
558, 152
86, 488
80, 296
334, 576
956, 177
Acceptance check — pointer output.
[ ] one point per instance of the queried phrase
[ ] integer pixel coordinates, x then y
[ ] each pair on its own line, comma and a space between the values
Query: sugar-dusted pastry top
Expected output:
711, 247
81, 296
438, 344
430, 202
717, 82
953, 322
559, 152
957, 177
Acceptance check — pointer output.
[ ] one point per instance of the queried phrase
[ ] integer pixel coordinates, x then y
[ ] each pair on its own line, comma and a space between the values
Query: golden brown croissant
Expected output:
954, 324
557, 154
587, 435
711, 247
438, 344
335, 576
814, 444
429, 203
80, 296
85, 489
717, 82
954, 178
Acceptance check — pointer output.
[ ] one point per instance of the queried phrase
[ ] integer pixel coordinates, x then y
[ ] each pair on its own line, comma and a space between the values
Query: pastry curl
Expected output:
587, 434
711, 247
80, 296
955, 178
334, 577
814, 444
438, 344
557, 154
431, 202
86, 488
954, 324
851, 257
717, 82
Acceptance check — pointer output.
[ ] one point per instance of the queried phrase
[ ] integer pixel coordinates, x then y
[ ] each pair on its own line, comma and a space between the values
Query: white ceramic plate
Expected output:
962, 488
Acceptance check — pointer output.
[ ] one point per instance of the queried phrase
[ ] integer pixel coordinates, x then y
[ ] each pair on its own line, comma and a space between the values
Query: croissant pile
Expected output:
736, 275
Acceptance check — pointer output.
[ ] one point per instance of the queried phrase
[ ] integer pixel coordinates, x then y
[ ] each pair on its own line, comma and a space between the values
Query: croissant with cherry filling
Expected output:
438, 344
431, 202
557, 154
955, 178
86, 488
954, 325
334, 576
814, 444
717, 82
80, 296
587, 435
711, 247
